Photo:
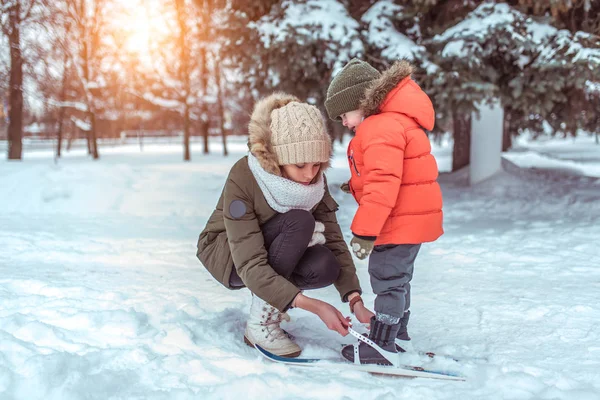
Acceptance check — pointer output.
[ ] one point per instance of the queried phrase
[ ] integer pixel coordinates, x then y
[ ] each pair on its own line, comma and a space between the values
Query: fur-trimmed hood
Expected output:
259, 132
395, 91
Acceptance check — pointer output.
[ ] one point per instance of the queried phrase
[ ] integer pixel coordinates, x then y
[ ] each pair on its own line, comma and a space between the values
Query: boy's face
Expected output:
352, 119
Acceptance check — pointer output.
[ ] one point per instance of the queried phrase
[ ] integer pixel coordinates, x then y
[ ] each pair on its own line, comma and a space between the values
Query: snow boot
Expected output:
384, 336
403, 343
263, 328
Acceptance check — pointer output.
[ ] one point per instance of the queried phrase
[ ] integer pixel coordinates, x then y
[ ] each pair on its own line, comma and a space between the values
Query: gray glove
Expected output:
362, 247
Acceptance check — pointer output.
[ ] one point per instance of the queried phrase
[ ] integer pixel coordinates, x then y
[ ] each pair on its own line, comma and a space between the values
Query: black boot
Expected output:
403, 331
383, 335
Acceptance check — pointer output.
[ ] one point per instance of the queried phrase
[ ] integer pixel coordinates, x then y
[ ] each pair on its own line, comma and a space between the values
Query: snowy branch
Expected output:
382, 34
83, 125
69, 104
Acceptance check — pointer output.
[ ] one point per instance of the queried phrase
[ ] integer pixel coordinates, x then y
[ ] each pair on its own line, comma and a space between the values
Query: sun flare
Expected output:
140, 23
138, 39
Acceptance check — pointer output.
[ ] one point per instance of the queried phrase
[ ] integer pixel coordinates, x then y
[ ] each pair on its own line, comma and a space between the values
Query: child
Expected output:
274, 229
393, 179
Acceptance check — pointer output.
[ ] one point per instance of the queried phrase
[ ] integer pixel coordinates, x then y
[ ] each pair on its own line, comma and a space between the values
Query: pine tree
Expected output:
537, 72
294, 47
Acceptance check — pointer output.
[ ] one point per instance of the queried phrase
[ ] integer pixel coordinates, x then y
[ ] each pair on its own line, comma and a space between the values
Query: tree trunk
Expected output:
184, 75
204, 123
94, 144
61, 111
461, 152
15, 115
87, 44
220, 103
63, 97
203, 27
72, 134
507, 131
89, 142
186, 133
59, 133
597, 138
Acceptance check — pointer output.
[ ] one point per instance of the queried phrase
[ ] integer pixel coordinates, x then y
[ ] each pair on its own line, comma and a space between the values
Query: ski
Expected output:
408, 371
400, 346
434, 355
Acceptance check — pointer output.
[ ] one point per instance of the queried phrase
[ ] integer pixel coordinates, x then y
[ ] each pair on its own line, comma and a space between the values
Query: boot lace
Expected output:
271, 320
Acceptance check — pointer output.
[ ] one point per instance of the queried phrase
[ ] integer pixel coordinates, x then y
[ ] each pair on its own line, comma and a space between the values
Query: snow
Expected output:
569, 45
552, 47
322, 21
81, 124
457, 48
101, 296
382, 34
540, 31
468, 38
162, 102
34, 128
480, 22
576, 156
72, 104
592, 88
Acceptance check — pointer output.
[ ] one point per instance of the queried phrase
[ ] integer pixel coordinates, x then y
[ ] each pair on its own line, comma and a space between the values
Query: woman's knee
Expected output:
300, 220
325, 267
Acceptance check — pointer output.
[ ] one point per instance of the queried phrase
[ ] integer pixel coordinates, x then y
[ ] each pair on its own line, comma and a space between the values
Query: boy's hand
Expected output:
345, 187
362, 247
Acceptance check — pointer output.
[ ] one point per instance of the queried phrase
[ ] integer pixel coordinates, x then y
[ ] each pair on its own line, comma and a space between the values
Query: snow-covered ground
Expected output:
101, 296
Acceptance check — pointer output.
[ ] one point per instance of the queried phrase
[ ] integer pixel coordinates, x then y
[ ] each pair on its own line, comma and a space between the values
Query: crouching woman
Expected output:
274, 229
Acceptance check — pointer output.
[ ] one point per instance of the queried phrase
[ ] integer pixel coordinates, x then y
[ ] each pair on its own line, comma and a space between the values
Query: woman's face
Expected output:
352, 119
301, 173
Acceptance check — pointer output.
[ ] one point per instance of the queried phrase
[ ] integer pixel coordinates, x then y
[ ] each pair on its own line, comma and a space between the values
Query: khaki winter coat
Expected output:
227, 241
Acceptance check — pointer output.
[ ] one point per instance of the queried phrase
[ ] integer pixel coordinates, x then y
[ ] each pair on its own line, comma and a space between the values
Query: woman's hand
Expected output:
363, 314
330, 315
333, 318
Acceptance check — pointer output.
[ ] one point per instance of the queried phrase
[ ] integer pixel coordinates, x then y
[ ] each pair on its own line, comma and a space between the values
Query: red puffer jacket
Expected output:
394, 174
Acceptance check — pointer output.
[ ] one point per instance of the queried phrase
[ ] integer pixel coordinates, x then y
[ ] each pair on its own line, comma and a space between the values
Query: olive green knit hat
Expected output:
348, 87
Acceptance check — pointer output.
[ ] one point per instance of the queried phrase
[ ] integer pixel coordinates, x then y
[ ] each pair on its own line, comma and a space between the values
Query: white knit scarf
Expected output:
284, 194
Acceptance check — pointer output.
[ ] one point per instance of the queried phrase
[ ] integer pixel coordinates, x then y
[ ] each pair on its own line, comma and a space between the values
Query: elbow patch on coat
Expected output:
237, 209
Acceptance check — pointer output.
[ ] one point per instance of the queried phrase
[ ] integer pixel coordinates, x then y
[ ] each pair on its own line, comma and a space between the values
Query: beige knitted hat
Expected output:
299, 135
348, 87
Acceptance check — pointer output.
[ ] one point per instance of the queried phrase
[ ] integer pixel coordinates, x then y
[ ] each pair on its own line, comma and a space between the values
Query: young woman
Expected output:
274, 230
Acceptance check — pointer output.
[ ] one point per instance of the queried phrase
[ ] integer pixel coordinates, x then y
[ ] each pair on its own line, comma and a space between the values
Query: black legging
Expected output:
286, 239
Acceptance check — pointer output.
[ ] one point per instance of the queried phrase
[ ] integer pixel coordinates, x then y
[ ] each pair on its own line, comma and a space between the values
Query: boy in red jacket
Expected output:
394, 181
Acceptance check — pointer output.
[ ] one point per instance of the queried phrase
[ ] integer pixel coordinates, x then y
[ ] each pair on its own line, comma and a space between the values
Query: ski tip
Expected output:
272, 356
263, 351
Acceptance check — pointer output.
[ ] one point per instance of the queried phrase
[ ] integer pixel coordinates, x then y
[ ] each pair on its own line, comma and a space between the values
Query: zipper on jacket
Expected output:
353, 162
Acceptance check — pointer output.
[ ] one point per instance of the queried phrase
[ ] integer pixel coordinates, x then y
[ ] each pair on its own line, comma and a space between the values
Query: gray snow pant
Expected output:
391, 270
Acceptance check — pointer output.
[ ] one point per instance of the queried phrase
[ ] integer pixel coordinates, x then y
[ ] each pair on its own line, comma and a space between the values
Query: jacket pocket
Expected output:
383, 247
216, 258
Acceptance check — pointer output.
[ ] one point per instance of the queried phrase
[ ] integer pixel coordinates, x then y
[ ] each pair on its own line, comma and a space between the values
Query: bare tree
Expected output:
14, 14
179, 81
184, 74
217, 66
86, 27
62, 99
203, 27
